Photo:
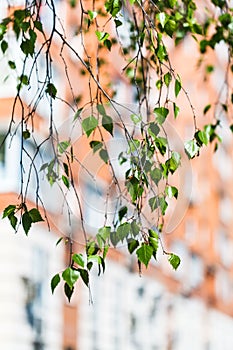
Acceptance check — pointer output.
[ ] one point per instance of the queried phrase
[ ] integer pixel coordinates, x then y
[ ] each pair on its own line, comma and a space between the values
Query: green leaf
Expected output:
66, 181
174, 260
114, 237
70, 276
68, 291
135, 229
104, 155
26, 134
77, 114
172, 3
35, 215
153, 129
163, 205
122, 212
170, 27
173, 163
162, 18
118, 23
3, 28
62, 146
92, 14
136, 118
25, 26
161, 144
153, 234
167, 79
43, 166
159, 84
144, 253
91, 248
78, 259
156, 175
156, 202
12, 64
154, 243
101, 110
191, 148
104, 232
100, 240
108, 44
153, 203
4, 46
24, 79
106, 248
133, 188
38, 25
94, 258
9, 210
54, 282
161, 114
66, 169
176, 110
134, 145
123, 230
107, 124
96, 145
26, 221
85, 276
177, 86
207, 107
28, 47
113, 7
172, 191
13, 220
132, 245
51, 90
101, 36
202, 137
89, 124
59, 240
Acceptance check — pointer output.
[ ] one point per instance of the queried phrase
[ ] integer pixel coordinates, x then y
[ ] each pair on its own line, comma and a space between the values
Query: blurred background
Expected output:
162, 309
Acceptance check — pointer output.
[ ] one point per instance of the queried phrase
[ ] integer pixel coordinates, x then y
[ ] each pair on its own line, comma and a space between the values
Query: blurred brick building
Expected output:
191, 308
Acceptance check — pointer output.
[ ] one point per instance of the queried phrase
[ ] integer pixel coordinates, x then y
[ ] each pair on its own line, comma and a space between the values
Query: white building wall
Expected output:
16, 264
133, 313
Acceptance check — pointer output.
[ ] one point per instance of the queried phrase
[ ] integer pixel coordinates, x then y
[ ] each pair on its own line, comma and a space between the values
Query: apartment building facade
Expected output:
191, 308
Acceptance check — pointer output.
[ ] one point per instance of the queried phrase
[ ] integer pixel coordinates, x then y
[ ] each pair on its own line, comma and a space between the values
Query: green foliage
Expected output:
174, 260
55, 281
107, 124
144, 253
104, 155
149, 159
96, 145
192, 148
51, 90
113, 7
161, 114
89, 125
70, 276
172, 191
27, 217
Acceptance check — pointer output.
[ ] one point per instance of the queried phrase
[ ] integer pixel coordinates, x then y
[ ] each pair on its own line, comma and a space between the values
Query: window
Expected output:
191, 230
223, 285
94, 206
197, 268
225, 209
35, 298
224, 246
